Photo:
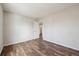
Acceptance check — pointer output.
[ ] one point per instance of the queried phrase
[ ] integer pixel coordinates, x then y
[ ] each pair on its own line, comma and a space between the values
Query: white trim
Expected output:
1, 48
62, 45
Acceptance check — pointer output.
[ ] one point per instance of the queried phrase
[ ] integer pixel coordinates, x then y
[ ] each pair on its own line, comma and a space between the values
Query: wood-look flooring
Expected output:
38, 47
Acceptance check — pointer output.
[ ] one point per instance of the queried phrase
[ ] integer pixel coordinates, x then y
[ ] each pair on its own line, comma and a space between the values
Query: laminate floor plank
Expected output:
38, 47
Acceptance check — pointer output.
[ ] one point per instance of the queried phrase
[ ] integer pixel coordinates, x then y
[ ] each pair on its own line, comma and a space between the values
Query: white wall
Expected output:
1, 29
36, 30
63, 27
17, 28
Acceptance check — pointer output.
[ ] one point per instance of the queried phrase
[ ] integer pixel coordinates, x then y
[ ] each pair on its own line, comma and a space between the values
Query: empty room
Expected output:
39, 29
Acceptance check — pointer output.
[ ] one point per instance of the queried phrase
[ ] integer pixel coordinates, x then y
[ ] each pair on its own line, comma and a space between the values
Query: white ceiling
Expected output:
35, 10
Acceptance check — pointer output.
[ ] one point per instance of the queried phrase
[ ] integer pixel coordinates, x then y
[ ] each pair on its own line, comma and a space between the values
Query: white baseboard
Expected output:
1, 49
63, 45
16, 42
